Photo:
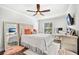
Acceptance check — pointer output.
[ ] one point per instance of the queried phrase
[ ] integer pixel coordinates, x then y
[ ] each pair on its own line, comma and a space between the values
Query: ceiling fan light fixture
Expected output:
38, 10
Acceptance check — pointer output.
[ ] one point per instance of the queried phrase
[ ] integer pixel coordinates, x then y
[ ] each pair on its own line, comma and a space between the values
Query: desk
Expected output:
63, 36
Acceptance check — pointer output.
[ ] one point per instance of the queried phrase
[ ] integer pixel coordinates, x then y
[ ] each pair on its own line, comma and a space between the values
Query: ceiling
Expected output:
55, 9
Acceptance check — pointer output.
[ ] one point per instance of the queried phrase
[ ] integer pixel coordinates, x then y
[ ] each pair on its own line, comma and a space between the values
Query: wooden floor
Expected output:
1, 53
20, 53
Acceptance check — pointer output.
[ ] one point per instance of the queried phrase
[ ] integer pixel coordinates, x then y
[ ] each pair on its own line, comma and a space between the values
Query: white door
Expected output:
11, 35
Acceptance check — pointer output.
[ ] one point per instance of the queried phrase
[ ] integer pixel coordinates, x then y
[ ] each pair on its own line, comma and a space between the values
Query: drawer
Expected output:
69, 41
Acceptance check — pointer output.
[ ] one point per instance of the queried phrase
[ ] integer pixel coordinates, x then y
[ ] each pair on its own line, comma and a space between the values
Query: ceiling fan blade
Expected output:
30, 11
38, 10
48, 10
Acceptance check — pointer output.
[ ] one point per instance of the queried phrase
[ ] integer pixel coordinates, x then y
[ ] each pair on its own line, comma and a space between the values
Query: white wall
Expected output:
57, 22
74, 11
1, 33
60, 21
77, 15
12, 16
71, 9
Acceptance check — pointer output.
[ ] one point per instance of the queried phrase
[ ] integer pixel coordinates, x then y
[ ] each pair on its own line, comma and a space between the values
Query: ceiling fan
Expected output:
38, 10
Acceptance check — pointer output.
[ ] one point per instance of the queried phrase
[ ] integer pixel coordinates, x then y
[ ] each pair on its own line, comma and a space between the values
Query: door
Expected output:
11, 34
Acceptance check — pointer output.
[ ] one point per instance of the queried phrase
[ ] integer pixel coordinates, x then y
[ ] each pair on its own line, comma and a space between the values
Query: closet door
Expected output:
11, 35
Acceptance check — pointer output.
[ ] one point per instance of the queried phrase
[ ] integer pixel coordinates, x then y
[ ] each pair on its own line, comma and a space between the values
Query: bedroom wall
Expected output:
10, 15
57, 22
77, 15
1, 29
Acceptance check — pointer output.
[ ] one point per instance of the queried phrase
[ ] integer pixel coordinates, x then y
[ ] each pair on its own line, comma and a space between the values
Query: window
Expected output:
48, 28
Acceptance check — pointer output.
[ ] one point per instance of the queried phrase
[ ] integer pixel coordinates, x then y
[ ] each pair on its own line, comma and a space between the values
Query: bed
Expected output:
38, 43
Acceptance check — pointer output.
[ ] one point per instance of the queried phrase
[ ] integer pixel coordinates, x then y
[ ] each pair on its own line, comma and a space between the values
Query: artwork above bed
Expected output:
28, 29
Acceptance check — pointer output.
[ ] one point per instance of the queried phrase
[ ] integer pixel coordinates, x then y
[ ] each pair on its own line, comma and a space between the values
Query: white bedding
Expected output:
40, 41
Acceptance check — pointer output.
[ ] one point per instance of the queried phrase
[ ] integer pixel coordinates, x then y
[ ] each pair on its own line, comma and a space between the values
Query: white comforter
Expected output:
41, 41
